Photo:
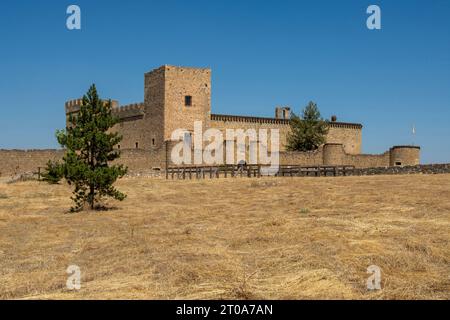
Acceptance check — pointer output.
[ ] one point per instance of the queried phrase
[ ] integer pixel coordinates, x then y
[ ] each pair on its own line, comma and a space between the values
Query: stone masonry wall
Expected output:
418, 169
313, 158
154, 92
368, 160
180, 82
349, 135
404, 155
19, 161
13, 162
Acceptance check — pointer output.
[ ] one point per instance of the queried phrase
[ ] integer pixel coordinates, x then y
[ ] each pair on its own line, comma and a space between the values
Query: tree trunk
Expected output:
91, 196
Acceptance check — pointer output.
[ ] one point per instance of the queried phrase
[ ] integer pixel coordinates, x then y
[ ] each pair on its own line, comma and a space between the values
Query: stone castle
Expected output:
175, 97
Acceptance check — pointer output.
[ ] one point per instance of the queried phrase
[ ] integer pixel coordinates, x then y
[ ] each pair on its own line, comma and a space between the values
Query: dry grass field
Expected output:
267, 238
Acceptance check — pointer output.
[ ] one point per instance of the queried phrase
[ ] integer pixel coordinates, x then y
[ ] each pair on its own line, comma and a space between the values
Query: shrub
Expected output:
53, 173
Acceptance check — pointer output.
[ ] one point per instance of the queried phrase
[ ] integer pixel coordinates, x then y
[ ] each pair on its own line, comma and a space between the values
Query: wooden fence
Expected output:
201, 172
317, 171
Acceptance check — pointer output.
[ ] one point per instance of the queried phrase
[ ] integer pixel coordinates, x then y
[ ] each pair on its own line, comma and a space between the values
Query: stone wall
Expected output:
138, 160
368, 160
13, 162
19, 161
334, 154
313, 158
132, 133
349, 135
404, 155
153, 129
418, 169
182, 82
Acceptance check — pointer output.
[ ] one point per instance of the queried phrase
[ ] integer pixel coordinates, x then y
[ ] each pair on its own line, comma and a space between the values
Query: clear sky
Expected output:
262, 54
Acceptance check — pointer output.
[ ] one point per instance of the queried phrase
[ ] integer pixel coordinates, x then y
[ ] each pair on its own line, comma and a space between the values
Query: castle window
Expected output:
118, 146
188, 138
137, 145
153, 141
188, 101
398, 163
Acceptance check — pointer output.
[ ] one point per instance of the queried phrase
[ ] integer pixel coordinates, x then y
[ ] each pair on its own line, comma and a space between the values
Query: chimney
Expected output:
282, 113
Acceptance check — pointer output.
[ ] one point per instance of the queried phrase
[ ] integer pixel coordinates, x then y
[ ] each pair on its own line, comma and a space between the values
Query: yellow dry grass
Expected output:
268, 238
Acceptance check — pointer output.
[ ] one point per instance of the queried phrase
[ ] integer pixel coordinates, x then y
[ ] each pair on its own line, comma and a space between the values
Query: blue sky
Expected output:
262, 54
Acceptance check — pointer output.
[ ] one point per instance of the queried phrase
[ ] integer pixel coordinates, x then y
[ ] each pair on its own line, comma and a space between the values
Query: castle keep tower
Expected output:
175, 97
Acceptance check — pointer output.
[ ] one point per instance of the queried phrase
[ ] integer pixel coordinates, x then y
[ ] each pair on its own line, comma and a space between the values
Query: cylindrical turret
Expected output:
404, 156
333, 154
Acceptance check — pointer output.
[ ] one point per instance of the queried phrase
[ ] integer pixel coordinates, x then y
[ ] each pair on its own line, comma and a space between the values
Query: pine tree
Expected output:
308, 131
53, 173
90, 148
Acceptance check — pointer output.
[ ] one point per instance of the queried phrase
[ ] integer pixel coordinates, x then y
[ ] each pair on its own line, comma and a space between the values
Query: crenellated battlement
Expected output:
74, 102
73, 106
131, 106
130, 111
261, 120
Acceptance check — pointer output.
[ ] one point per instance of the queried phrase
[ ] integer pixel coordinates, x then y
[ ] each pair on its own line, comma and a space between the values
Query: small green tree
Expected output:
90, 148
308, 131
53, 173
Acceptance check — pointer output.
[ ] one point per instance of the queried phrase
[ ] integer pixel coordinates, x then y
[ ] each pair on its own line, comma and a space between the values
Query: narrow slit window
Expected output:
137, 145
188, 138
188, 101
